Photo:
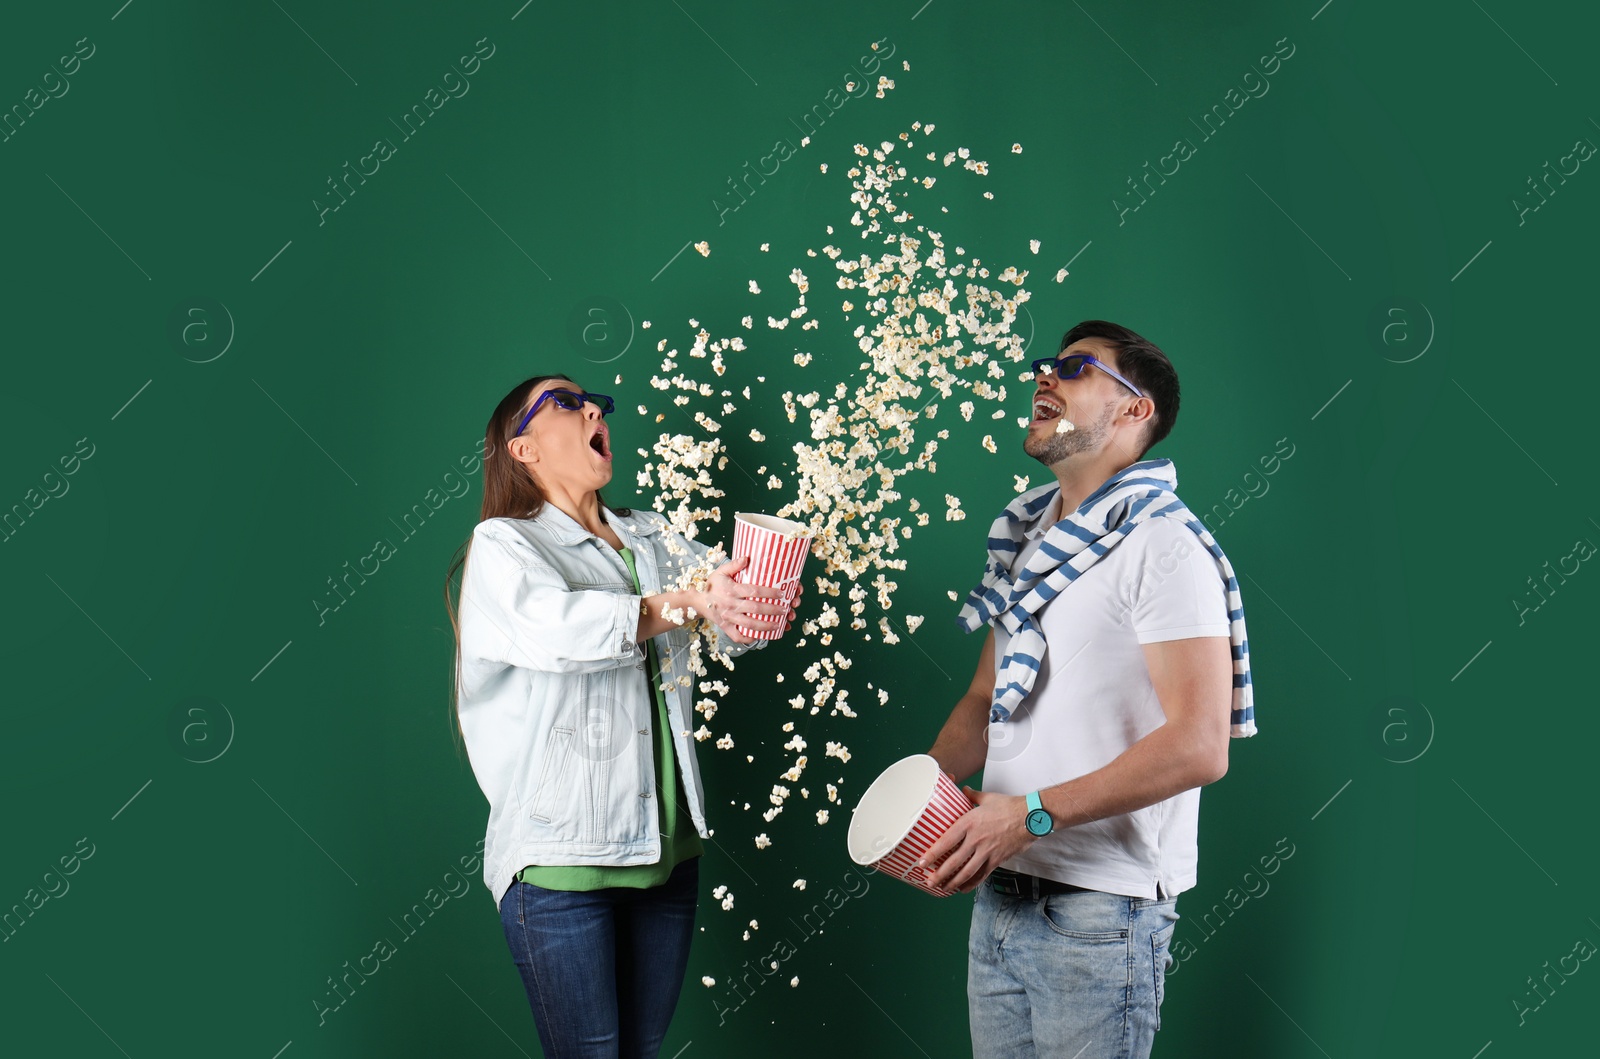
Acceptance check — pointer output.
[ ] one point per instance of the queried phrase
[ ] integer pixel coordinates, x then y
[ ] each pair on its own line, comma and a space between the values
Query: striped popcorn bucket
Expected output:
901, 815
777, 549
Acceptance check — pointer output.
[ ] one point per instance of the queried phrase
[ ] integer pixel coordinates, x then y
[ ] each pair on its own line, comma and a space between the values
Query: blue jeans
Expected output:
603, 968
1075, 975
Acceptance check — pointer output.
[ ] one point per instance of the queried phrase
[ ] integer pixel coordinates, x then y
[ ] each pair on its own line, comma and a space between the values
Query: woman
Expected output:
564, 641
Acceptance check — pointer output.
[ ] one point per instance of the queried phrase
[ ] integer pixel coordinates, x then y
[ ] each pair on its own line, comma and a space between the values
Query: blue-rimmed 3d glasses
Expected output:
571, 400
1072, 365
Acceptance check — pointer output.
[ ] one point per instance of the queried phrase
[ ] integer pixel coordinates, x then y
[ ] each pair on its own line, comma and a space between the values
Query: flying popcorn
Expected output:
930, 325
704, 248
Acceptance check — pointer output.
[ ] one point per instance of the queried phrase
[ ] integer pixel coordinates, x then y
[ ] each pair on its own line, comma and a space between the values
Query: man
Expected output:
1095, 719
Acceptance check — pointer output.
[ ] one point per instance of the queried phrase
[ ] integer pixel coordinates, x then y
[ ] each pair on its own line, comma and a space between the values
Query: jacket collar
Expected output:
634, 524
566, 530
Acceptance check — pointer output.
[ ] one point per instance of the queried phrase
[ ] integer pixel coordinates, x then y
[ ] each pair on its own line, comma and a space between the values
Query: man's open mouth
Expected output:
1045, 409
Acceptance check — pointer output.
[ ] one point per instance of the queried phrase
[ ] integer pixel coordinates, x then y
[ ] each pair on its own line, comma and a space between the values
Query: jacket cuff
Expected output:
626, 627
726, 645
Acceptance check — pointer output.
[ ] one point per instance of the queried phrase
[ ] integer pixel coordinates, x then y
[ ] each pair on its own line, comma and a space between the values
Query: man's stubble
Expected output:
1055, 447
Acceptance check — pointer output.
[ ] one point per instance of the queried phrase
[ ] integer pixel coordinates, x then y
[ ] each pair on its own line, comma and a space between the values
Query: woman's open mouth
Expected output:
600, 442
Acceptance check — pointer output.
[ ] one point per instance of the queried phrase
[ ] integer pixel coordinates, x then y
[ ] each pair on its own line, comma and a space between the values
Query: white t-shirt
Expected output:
1093, 699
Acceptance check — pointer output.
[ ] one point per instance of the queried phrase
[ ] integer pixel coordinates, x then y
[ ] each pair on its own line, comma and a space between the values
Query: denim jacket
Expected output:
554, 701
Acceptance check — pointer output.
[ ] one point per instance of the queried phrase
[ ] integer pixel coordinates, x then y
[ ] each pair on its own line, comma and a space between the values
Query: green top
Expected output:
679, 840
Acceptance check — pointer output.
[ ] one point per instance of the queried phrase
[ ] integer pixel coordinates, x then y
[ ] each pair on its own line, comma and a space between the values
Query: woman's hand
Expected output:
726, 603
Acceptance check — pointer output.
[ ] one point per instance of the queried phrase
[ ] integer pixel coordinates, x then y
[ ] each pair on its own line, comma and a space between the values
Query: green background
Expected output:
1425, 744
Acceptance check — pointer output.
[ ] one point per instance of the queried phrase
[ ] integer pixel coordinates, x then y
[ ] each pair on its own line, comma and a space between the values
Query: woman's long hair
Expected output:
509, 491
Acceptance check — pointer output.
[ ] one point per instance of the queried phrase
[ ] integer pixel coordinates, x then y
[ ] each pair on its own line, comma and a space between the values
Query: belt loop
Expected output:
1034, 881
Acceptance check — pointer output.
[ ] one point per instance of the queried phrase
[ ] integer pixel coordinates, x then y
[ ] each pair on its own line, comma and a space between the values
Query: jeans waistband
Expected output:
1032, 887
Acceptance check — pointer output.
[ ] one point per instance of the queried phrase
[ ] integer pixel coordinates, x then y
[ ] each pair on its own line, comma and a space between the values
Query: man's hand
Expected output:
980, 841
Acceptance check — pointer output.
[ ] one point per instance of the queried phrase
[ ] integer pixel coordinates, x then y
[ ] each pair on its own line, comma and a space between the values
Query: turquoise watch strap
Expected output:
1033, 801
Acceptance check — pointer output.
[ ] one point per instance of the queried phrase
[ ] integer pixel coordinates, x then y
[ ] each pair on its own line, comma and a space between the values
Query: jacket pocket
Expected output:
615, 747
553, 773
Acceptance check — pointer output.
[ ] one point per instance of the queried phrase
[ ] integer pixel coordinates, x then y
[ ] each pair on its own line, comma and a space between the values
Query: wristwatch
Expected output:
1039, 822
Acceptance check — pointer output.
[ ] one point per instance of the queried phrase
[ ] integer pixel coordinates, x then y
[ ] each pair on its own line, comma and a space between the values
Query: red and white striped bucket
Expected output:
902, 815
777, 549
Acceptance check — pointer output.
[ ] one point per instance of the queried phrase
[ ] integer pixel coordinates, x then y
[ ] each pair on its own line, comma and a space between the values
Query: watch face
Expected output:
1039, 822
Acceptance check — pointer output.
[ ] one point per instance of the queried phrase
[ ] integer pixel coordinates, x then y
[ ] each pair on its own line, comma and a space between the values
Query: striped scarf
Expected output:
1140, 491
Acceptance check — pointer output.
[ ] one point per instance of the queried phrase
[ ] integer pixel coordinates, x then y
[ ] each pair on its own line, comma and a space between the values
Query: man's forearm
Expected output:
1167, 761
961, 748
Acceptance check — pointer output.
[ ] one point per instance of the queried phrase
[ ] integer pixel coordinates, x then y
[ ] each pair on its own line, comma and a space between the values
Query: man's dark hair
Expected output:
1144, 365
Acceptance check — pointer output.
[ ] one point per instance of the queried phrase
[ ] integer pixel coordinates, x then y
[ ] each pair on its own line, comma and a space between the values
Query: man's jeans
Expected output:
602, 968
1075, 975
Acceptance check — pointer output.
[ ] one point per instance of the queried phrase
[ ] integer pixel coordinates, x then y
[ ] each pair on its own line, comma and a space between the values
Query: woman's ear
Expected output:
523, 449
